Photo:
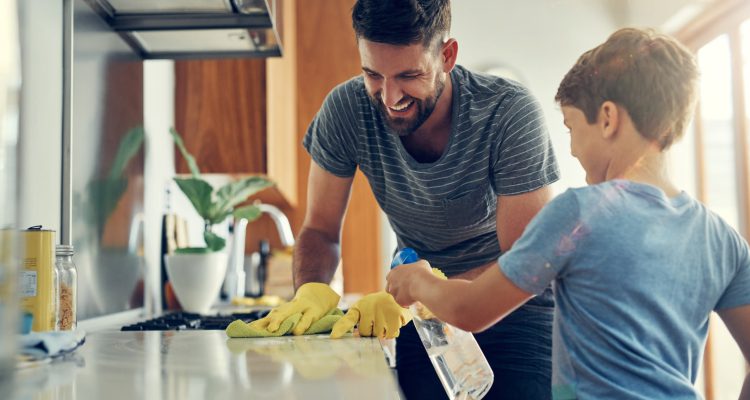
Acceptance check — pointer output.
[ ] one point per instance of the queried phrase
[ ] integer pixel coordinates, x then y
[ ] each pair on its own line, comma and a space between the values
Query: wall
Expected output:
107, 103
158, 117
540, 40
41, 113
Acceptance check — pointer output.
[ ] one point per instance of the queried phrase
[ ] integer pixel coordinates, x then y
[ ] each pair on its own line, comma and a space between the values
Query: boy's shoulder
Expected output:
615, 189
586, 194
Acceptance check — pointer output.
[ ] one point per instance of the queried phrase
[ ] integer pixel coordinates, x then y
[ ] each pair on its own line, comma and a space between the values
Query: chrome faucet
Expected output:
281, 222
234, 282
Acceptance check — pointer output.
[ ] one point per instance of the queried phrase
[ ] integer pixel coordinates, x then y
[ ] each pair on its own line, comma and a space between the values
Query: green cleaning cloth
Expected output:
242, 329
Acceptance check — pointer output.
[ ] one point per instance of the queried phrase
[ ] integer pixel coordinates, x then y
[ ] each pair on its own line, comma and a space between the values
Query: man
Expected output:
460, 163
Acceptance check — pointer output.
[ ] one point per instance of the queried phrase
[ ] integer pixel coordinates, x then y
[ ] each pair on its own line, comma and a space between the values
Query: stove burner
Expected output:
180, 321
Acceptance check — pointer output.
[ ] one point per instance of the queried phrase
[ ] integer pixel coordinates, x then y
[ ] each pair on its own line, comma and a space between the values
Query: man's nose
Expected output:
392, 93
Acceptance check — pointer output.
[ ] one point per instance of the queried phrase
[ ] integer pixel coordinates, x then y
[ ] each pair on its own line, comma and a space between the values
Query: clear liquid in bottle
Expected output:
455, 354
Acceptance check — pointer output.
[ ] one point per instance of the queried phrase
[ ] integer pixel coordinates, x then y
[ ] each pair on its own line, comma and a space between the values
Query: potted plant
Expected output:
197, 273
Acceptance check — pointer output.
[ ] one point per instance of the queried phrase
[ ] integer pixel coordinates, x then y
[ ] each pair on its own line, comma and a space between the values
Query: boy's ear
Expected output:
609, 119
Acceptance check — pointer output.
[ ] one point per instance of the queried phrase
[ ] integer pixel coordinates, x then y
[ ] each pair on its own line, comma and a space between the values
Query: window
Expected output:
714, 158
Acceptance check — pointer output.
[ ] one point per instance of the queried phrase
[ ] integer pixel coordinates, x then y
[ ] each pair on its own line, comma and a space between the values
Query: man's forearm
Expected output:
316, 256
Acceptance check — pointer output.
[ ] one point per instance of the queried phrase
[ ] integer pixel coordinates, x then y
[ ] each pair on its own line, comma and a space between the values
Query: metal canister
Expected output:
38, 278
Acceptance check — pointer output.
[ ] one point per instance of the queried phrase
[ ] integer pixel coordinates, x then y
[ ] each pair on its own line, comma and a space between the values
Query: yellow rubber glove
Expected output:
241, 329
377, 314
313, 300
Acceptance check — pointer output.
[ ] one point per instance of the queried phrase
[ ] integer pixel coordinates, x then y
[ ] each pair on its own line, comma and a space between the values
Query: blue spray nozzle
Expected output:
407, 255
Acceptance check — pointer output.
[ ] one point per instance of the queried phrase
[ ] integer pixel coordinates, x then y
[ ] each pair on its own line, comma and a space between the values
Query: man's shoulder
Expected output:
480, 84
352, 88
344, 101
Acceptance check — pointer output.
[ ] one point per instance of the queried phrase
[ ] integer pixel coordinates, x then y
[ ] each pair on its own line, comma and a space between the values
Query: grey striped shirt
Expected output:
445, 209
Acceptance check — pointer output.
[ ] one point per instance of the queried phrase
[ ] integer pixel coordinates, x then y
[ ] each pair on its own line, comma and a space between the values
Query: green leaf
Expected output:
213, 241
250, 213
198, 192
128, 147
104, 196
188, 157
193, 250
234, 193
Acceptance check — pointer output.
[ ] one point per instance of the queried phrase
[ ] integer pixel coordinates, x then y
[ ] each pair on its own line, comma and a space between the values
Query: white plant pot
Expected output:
196, 279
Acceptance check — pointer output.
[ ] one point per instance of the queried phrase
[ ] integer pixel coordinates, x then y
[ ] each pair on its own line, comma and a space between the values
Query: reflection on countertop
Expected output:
208, 365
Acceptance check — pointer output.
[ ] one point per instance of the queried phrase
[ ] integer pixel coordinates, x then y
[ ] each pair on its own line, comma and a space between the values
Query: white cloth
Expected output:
51, 344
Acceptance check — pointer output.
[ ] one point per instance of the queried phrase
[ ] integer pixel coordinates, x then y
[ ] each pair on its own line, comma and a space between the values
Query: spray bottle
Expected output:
459, 362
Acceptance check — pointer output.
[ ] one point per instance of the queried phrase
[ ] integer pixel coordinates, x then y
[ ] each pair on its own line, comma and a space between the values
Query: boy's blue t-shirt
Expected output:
636, 275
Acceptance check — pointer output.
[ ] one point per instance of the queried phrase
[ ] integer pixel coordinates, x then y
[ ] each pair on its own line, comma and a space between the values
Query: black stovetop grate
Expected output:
180, 320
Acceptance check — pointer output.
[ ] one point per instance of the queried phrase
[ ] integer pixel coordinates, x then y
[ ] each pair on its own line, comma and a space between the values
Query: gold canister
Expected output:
38, 283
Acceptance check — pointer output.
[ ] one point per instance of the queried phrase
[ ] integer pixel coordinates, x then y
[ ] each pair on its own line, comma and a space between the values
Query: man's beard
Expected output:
403, 126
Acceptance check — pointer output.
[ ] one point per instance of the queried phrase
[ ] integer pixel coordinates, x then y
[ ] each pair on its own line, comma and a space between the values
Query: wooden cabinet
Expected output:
220, 110
249, 116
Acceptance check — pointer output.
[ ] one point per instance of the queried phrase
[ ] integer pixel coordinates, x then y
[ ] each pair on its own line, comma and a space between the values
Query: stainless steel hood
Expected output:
190, 29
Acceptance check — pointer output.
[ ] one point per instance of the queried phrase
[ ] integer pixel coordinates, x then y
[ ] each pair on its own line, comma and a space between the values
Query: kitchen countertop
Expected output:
208, 365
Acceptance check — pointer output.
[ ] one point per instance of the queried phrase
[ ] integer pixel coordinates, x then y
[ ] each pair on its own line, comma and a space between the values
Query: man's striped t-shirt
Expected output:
445, 209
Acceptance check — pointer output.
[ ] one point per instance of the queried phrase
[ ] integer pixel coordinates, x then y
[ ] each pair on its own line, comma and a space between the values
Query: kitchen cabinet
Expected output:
220, 111
317, 57
249, 116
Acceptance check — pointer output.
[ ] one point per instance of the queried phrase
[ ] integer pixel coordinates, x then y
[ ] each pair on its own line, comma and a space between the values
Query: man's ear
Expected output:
609, 119
448, 54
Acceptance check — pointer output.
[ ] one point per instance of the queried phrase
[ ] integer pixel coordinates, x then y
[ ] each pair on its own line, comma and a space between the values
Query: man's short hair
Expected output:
651, 75
402, 22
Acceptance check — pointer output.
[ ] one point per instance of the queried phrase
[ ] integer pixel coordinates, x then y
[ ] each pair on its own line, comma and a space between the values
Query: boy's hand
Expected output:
403, 281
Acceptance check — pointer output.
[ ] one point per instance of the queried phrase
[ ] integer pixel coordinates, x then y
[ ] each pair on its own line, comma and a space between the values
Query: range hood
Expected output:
189, 29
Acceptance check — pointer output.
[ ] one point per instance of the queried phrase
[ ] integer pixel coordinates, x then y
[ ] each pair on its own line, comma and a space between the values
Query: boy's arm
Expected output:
469, 305
737, 320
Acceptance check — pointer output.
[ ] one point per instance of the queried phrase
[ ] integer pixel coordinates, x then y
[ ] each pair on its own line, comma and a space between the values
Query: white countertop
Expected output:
208, 365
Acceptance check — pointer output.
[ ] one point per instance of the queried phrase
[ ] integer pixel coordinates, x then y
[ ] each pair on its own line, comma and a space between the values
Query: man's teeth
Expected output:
401, 107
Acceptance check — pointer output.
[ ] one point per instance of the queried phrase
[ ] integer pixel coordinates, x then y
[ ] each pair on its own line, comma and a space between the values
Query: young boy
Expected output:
637, 264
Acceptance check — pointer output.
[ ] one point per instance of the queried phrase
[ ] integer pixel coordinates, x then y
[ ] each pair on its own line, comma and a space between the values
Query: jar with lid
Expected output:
67, 288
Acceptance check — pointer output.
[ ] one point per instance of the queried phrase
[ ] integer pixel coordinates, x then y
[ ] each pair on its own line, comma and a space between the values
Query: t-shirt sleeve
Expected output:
331, 138
523, 158
738, 292
547, 245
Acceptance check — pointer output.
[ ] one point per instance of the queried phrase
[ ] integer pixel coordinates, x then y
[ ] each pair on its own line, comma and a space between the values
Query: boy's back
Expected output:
637, 264
636, 276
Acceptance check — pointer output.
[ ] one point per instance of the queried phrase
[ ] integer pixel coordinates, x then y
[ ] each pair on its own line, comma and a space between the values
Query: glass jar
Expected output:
67, 288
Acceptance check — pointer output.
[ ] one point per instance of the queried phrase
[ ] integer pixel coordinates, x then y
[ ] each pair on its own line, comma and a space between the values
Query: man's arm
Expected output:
737, 320
515, 212
317, 252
